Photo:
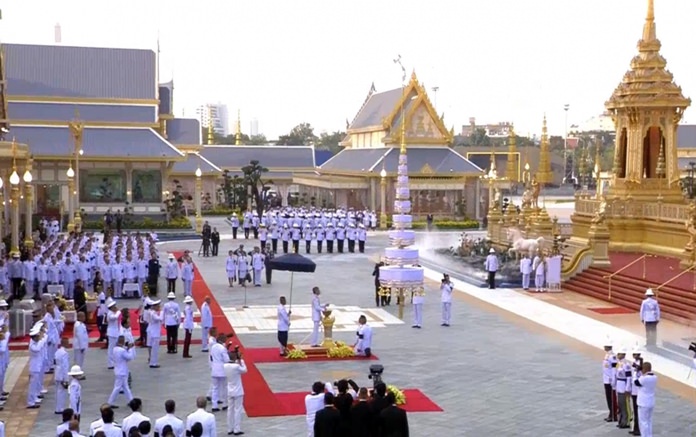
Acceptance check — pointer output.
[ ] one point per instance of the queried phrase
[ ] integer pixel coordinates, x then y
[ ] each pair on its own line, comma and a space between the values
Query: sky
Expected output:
286, 62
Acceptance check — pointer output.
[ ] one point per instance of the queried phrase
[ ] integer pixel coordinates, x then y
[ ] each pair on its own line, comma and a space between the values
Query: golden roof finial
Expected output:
238, 136
211, 132
597, 161
649, 33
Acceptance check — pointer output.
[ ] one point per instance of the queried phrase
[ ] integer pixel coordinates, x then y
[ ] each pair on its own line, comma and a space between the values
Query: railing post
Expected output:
609, 298
644, 256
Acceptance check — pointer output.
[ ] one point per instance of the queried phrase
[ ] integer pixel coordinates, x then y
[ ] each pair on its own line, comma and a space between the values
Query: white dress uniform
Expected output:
218, 358
36, 369
539, 273
154, 334
113, 328
204, 418
446, 298
418, 301
231, 267
121, 358
75, 395
650, 316
80, 342
526, 270
257, 263
133, 420
173, 421
187, 277
206, 324
313, 403
235, 395
364, 340
69, 275
117, 275
61, 378
316, 319
646, 402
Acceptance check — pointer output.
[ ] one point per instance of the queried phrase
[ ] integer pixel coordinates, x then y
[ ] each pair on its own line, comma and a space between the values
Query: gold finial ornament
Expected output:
211, 132
238, 136
512, 169
544, 174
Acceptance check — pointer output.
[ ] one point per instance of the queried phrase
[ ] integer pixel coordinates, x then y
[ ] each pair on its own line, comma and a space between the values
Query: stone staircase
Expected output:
677, 302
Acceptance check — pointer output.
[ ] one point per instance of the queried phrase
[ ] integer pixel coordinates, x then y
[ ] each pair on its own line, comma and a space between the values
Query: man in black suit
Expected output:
379, 402
328, 420
215, 240
392, 420
361, 416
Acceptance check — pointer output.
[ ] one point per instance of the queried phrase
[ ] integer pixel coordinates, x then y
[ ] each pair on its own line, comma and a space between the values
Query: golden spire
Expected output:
649, 33
544, 174
211, 132
597, 157
238, 136
511, 171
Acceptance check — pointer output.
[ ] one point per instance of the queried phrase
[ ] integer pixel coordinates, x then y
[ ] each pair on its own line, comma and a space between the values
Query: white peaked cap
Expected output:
492, 250
608, 342
171, 295
622, 350
649, 292
111, 303
3, 303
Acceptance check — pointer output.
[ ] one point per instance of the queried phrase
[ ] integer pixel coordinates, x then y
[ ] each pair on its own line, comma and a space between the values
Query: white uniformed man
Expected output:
117, 275
207, 420
134, 419
650, 317
491, 266
172, 317
80, 339
187, 276
172, 274
113, 329
154, 333
539, 266
418, 301
36, 366
218, 358
647, 384
637, 373
446, 289
69, 276
283, 326
234, 370
526, 270
75, 389
313, 403
170, 419
122, 354
363, 342
608, 370
317, 309
257, 264
231, 268
206, 322
622, 385
61, 377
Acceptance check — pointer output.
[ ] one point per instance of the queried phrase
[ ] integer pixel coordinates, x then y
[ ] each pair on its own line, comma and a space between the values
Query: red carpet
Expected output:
612, 310
658, 269
416, 402
259, 400
272, 355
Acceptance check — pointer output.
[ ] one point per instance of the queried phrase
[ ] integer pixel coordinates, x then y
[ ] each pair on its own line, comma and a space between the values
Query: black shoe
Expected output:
215, 410
208, 398
110, 368
114, 407
238, 433
34, 407
57, 412
156, 366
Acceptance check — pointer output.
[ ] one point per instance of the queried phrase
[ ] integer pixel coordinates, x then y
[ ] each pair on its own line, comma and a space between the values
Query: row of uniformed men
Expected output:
629, 388
240, 264
302, 217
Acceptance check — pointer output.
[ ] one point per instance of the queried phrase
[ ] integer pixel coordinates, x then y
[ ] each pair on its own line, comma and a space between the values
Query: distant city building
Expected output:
254, 127
599, 123
495, 130
219, 115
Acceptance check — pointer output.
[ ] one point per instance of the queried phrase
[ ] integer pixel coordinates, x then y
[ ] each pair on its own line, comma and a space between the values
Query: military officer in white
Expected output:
608, 370
637, 373
113, 329
650, 317
61, 377
170, 419
491, 266
622, 378
234, 370
231, 268
317, 309
647, 384
75, 389
526, 270
363, 342
218, 358
154, 333
122, 354
80, 339
36, 366
539, 266
206, 322
446, 289
257, 264
418, 301
203, 417
172, 317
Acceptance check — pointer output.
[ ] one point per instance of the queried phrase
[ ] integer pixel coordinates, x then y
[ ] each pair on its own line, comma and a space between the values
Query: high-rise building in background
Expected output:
254, 127
218, 113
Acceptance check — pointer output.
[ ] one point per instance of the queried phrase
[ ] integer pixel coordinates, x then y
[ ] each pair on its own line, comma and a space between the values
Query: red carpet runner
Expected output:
259, 400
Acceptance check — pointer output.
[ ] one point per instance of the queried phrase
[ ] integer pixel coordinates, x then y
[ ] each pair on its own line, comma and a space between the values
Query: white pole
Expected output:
292, 277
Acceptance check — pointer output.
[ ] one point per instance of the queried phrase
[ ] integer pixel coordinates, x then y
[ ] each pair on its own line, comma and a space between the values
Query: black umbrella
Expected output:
293, 262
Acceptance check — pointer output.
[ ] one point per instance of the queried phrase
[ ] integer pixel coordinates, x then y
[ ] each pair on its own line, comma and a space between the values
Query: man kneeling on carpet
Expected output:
363, 342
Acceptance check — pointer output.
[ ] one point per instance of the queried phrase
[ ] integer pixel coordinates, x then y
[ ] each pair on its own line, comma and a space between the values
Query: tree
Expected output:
253, 179
300, 135
330, 141
175, 203
233, 190
257, 140
479, 138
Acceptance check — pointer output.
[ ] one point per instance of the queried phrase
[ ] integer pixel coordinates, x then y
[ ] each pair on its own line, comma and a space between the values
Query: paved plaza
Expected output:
492, 373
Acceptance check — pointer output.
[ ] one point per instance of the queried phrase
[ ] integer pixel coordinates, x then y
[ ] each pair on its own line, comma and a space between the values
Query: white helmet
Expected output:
649, 292
608, 343
622, 350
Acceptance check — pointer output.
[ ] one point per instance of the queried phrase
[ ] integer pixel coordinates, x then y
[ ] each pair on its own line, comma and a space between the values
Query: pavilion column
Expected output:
29, 207
129, 183
373, 194
283, 190
15, 218
3, 205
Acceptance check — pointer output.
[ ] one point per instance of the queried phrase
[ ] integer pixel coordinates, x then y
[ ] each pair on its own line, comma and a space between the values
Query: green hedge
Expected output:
217, 212
445, 224
146, 223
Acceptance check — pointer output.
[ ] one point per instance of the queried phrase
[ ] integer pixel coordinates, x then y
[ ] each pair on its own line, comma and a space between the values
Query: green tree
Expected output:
233, 190
257, 140
300, 135
479, 138
330, 141
258, 187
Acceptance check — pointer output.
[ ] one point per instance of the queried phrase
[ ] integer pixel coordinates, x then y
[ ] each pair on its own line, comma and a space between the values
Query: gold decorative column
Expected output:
2, 210
71, 190
544, 174
511, 169
328, 322
29, 206
383, 197
197, 200
14, 182
76, 129
238, 134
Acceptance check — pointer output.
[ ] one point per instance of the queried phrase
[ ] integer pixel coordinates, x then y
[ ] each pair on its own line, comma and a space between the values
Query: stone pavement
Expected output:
492, 373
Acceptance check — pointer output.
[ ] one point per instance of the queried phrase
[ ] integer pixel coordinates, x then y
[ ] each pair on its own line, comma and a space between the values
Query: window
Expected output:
106, 186
147, 186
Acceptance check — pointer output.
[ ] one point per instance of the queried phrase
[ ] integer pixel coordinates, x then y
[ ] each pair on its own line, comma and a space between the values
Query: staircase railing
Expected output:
632, 263
677, 276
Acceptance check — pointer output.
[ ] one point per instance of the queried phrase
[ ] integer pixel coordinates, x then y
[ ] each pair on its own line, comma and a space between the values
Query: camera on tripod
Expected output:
692, 347
375, 375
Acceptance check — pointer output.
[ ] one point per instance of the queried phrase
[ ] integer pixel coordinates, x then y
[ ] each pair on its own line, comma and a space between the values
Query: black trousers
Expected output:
340, 245
269, 275
295, 246
246, 233
611, 404
143, 333
491, 280
256, 233
206, 248
234, 232
17, 288
283, 338
308, 246
102, 328
319, 244
351, 246
216, 248
171, 285
361, 246
187, 342
152, 285
274, 245
172, 337
263, 245
285, 246
636, 430
329, 246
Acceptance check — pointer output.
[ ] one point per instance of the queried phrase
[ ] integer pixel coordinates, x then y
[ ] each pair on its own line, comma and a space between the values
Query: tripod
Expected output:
200, 249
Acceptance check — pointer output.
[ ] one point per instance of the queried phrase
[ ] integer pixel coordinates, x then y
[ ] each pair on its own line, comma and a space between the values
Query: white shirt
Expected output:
173, 421
113, 323
646, 390
650, 310
491, 263
364, 336
316, 309
80, 336
446, 289
234, 373
188, 317
62, 427
526, 266
313, 403
218, 358
283, 318
206, 419
172, 313
121, 358
111, 430
206, 316
133, 420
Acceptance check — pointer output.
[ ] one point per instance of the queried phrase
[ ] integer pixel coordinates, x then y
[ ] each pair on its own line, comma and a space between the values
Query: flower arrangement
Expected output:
398, 394
340, 350
296, 354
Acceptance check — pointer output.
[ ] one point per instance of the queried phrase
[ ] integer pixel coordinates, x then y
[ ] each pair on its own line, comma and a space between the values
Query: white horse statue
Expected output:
521, 244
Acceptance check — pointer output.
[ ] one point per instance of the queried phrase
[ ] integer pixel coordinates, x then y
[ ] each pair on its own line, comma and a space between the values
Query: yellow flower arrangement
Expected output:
340, 350
296, 354
398, 394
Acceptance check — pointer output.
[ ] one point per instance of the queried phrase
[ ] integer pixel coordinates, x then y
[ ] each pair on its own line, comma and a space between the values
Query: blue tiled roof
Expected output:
66, 112
194, 161
232, 157
184, 131
378, 106
321, 156
97, 142
64, 71
166, 97
686, 136
442, 160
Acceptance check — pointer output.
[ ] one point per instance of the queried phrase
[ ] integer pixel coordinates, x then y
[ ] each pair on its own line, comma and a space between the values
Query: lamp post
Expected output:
383, 201
2, 211
566, 107
690, 182
71, 190
197, 200
76, 129
14, 182
526, 176
29, 202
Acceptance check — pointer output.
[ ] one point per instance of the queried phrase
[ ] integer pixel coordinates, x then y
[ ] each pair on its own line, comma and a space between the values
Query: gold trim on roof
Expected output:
427, 169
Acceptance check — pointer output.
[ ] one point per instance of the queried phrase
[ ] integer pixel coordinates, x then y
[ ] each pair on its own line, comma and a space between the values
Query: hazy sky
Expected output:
290, 61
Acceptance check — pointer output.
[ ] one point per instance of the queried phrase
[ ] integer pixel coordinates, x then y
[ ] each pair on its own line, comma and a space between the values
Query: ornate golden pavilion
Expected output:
644, 209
